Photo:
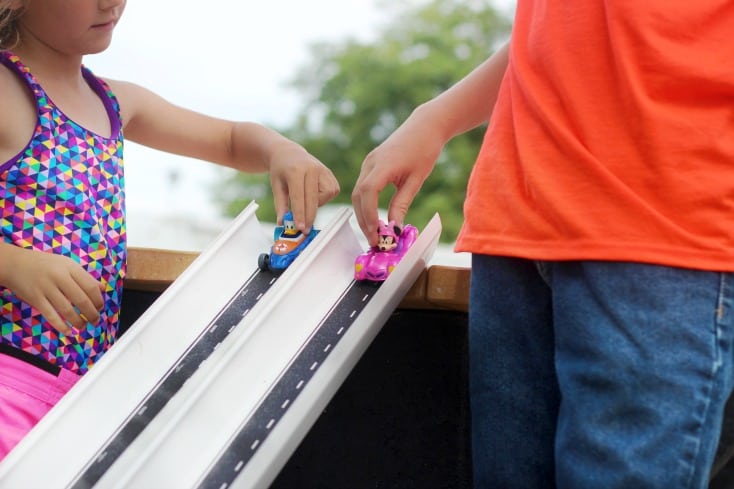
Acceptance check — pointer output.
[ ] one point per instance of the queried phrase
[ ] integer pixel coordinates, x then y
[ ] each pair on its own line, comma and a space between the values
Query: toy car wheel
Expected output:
263, 262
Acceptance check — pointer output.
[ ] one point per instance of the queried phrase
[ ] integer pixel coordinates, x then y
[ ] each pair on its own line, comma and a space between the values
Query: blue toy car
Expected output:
289, 242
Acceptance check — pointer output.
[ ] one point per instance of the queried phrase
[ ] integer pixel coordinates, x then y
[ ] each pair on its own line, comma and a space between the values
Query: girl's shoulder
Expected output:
133, 98
17, 113
7, 79
126, 91
12, 87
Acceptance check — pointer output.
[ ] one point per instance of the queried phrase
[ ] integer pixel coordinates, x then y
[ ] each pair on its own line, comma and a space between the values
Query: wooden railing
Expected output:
438, 287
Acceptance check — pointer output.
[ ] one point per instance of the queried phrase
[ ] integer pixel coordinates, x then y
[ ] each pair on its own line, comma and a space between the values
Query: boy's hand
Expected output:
405, 159
301, 183
58, 287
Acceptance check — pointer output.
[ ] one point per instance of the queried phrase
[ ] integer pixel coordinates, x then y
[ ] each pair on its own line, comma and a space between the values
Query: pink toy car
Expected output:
376, 264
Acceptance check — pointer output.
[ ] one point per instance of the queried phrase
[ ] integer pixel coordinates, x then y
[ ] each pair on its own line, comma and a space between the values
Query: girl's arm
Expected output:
406, 158
299, 180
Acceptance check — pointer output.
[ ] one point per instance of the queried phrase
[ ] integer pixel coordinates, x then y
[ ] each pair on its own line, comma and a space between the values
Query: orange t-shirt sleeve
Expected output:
612, 137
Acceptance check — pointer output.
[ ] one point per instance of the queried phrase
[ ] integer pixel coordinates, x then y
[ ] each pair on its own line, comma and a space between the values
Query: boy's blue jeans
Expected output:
597, 375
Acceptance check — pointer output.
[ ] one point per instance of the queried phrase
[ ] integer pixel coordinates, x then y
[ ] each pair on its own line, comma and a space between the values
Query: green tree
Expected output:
357, 93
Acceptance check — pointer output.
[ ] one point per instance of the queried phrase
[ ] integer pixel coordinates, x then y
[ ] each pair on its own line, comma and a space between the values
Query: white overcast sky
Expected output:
227, 58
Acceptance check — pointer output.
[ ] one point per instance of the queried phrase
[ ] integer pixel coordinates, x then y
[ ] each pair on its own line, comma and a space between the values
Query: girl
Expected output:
62, 252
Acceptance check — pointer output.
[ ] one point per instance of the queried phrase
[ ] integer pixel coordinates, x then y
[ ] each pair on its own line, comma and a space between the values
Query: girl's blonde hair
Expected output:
9, 13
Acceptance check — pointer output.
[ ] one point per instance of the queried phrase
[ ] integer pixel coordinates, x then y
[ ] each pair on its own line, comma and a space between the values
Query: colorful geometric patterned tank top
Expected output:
64, 193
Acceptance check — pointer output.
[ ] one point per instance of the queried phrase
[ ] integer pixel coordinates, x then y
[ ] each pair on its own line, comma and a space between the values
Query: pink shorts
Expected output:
27, 393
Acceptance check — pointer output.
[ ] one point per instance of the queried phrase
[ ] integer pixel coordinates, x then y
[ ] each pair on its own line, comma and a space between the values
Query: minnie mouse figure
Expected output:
388, 236
377, 263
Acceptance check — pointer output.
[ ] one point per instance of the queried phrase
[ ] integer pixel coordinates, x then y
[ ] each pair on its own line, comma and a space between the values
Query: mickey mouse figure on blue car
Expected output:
288, 243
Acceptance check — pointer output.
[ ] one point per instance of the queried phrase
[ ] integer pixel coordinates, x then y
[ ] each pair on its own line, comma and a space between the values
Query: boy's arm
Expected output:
469, 102
406, 158
297, 177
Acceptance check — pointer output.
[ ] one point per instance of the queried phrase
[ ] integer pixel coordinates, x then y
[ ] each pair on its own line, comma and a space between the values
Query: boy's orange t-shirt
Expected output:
612, 137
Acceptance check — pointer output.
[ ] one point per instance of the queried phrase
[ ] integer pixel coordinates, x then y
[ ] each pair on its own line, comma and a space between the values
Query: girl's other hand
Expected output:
58, 287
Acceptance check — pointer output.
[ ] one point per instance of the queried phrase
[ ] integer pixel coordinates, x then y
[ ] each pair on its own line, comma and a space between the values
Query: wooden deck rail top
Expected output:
437, 287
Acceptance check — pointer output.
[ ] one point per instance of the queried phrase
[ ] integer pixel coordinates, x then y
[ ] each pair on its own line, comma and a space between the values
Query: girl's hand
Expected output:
58, 287
301, 183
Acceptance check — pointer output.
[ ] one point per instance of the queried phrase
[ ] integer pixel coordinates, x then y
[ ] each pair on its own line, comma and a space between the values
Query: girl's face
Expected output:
72, 27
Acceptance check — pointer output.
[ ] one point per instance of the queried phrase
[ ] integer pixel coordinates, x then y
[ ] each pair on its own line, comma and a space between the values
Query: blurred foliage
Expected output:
357, 93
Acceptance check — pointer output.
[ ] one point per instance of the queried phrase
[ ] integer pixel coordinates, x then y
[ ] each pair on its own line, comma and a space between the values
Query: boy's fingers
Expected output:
365, 207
